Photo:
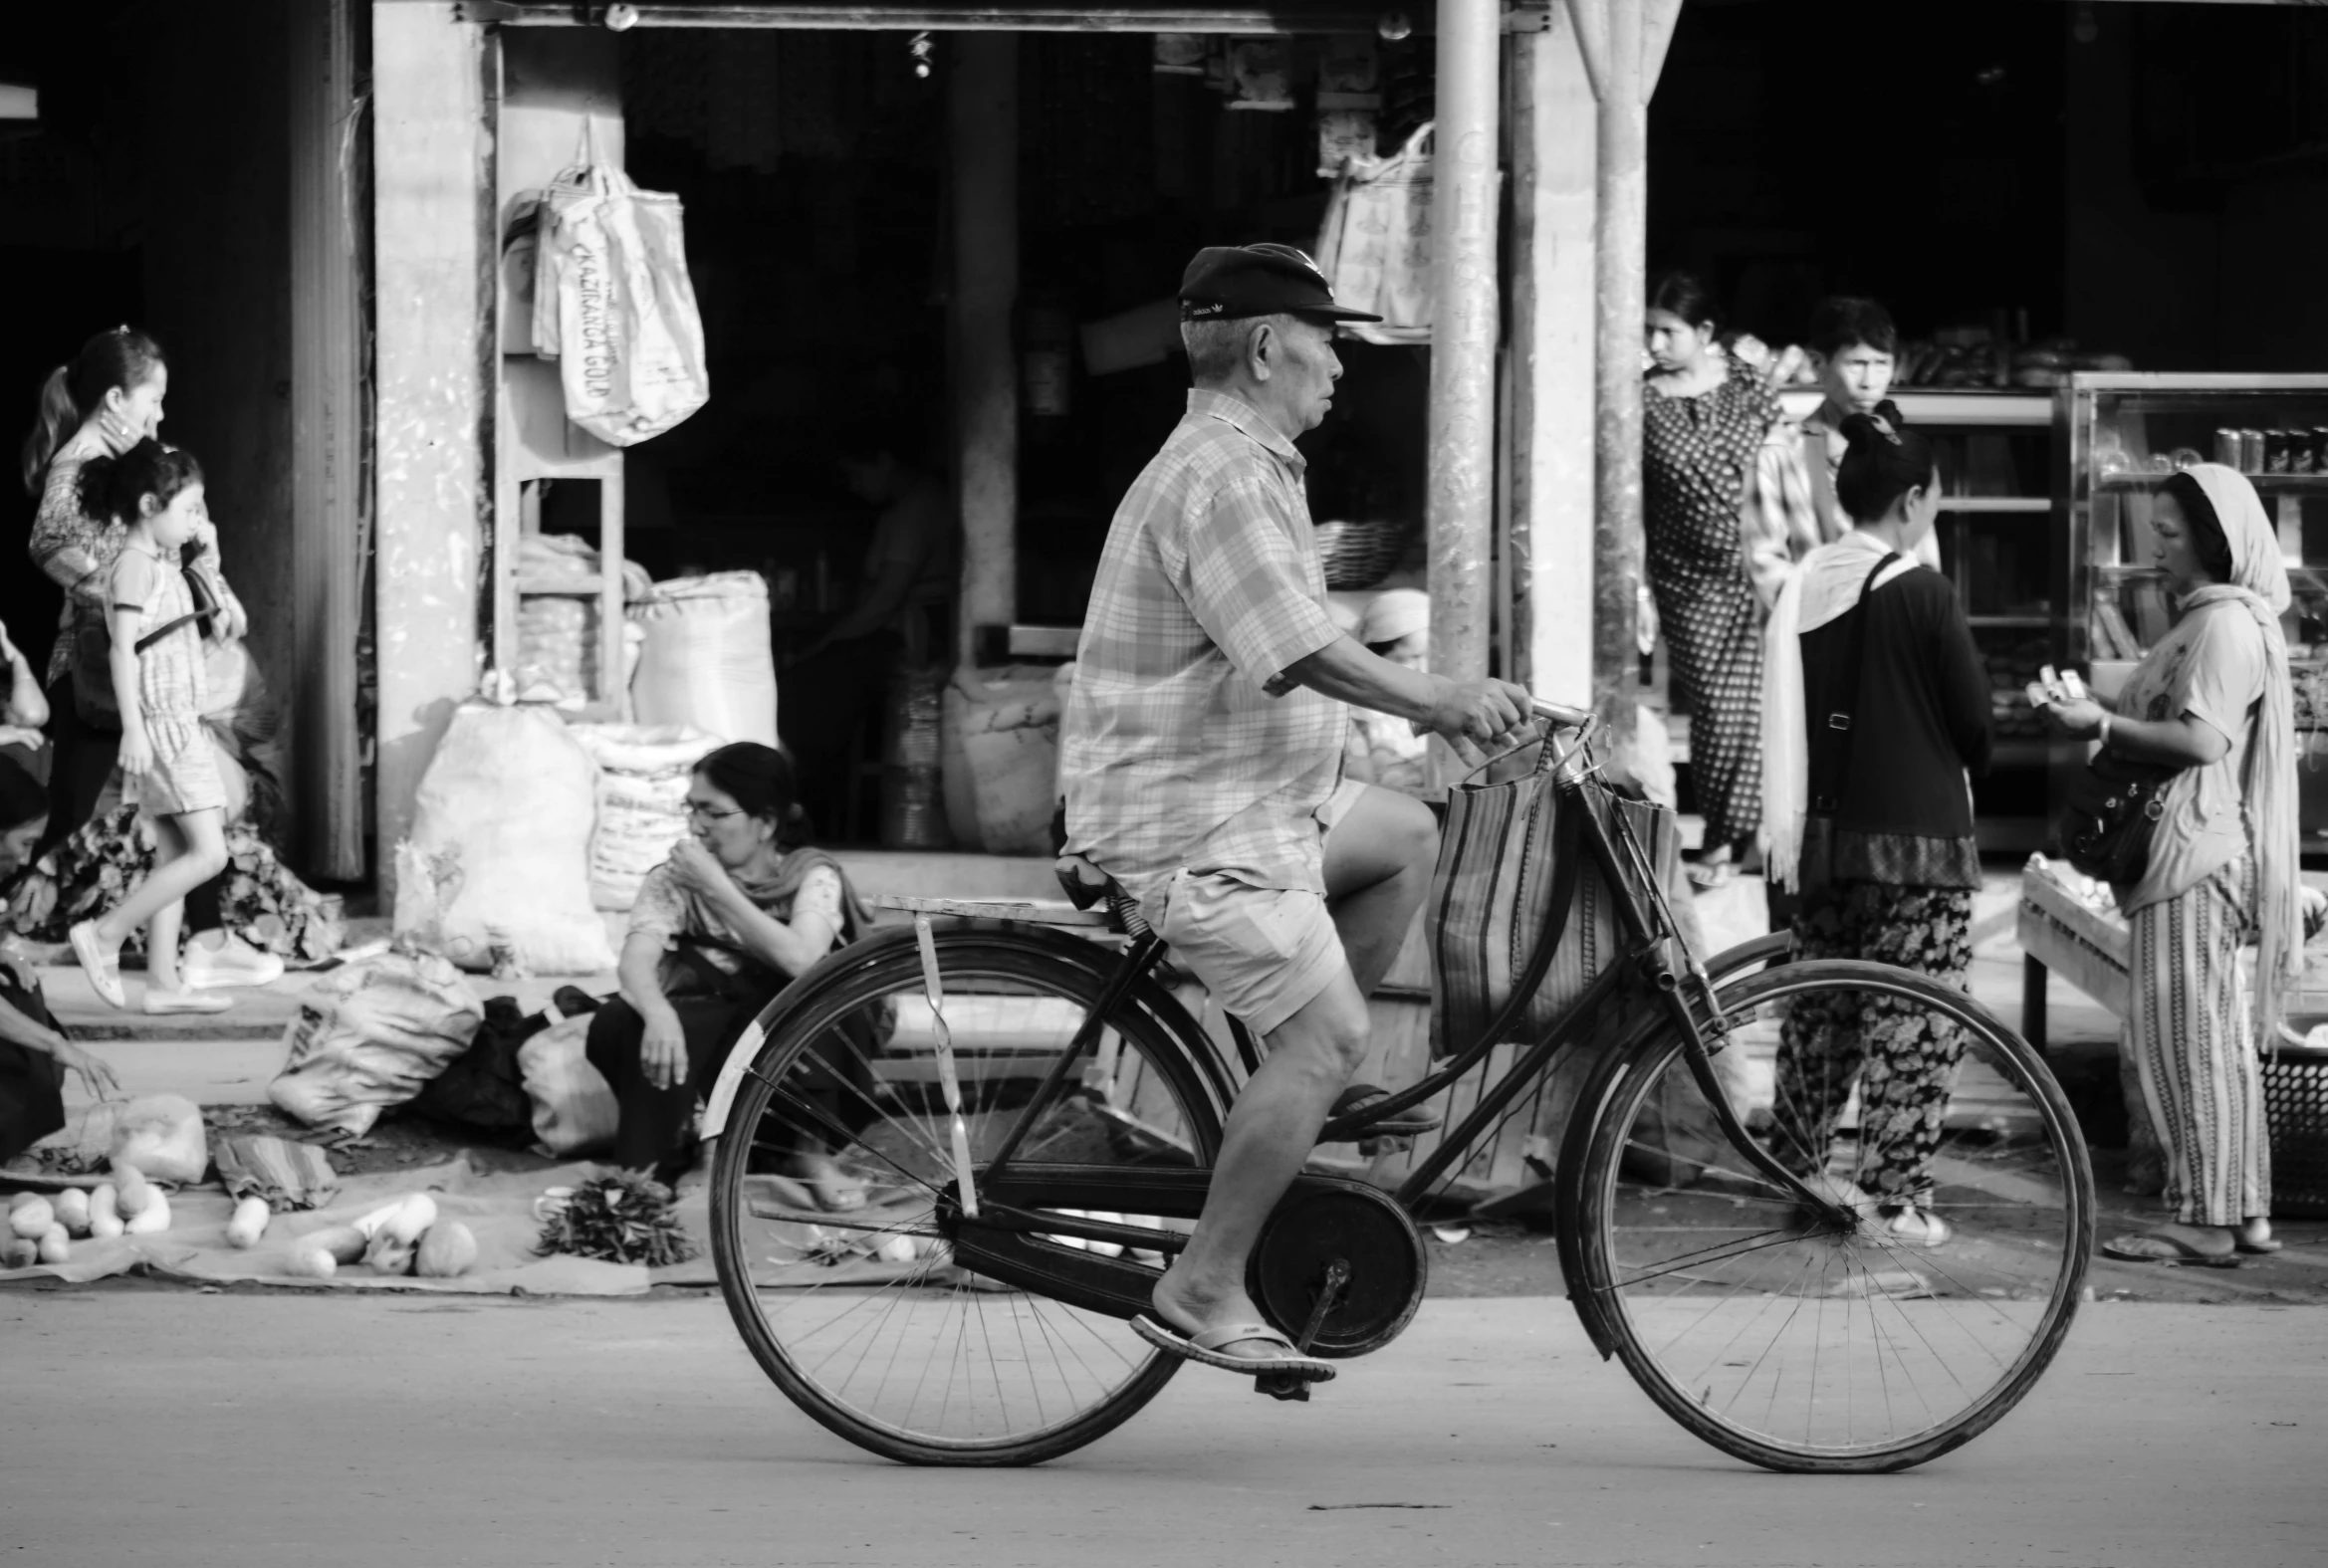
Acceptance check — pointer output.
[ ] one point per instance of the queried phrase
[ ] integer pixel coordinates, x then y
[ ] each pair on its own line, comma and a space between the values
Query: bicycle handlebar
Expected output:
1560, 714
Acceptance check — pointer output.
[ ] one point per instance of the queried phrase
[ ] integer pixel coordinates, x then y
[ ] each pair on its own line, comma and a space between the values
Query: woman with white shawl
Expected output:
2212, 698
1875, 711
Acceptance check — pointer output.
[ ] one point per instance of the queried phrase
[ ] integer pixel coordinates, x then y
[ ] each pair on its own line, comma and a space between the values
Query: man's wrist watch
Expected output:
2105, 731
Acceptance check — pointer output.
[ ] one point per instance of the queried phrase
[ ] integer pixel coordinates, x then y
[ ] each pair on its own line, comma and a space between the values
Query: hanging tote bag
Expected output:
613, 304
1511, 859
1375, 245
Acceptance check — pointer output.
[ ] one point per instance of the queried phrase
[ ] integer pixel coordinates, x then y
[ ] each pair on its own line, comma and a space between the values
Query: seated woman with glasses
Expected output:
738, 912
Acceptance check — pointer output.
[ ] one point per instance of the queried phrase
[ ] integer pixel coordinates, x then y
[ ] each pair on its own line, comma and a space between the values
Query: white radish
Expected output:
72, 1206
19, 1201
313, 1262
105, 1219
407, 1218
29, 1221
344, 1241
249, 1222
389, 1254
132, 1191
897, 1249
153, 1219
55, 1247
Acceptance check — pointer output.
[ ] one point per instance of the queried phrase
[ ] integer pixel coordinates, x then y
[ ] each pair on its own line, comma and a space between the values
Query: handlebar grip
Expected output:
1560, 714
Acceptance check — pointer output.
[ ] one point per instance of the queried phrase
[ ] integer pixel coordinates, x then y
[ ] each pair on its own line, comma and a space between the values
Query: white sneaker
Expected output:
188, 1000
233, 963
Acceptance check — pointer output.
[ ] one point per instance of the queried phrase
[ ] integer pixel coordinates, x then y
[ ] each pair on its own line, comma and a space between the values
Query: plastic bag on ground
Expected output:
372, 1035
643, 772
705, 660
498, 856
162, 1135
574, 1109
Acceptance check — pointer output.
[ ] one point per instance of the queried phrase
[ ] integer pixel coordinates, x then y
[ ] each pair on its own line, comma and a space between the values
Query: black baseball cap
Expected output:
1226, 283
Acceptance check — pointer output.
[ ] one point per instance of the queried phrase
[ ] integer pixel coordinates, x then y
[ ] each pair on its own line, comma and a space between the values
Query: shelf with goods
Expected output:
2123, 436
2001, 545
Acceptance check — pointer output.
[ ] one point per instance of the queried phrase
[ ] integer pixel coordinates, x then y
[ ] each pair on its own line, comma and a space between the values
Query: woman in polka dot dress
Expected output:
1705, 417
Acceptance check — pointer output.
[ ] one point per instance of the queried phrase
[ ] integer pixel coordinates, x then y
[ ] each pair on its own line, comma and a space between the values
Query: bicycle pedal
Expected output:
1283, 1385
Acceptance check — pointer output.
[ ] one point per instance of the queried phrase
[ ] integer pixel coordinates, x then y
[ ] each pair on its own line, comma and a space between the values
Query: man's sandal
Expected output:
1205, 1349
1406, 1124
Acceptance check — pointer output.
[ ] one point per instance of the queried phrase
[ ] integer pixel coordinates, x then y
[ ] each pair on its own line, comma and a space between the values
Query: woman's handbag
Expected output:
2112, 816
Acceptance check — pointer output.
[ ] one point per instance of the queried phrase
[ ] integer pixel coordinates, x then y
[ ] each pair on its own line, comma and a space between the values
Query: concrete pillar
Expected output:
983, 141
1460, 509
433, 264
1623, 44
1553, 323
327, 413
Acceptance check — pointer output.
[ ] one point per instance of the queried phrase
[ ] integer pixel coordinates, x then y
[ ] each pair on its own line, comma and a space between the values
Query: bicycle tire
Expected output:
2027, 1222
1041, 970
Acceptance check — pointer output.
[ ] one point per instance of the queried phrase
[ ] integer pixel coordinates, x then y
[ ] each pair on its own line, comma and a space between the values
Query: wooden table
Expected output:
2090, 947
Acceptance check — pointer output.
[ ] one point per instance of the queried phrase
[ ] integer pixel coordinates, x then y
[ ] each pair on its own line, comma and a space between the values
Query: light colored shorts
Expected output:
1265, 953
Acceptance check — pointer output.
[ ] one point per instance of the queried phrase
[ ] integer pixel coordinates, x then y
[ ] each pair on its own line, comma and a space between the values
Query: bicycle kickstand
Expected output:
1285, 1385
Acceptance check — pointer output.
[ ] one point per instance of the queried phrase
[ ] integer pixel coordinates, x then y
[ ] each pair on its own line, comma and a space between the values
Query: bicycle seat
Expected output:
1083, 882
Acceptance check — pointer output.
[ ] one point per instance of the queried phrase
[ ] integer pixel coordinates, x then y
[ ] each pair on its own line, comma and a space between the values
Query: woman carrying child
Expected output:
155, 492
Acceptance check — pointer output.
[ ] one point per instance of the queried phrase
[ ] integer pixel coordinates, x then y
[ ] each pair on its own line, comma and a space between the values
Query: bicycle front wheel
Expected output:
836, 1160
1873, 1344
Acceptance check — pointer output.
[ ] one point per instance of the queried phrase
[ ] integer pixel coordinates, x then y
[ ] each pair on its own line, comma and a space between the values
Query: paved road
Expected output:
147, 1425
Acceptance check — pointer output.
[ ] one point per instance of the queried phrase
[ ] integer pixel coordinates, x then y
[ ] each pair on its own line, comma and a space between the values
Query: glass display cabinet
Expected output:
2121, 436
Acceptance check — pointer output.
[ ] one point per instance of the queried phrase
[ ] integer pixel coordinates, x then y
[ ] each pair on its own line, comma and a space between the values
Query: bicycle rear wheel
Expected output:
1813, 1345
864, 1317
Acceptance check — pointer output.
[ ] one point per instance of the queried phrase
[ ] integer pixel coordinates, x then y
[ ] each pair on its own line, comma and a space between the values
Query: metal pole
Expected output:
1623, 42
1463, 323
983, 93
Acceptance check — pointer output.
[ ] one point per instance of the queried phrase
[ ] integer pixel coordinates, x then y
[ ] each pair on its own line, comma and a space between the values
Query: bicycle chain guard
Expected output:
1324, 1220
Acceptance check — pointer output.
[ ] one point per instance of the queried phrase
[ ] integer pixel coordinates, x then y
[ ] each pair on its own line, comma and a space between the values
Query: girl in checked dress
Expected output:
156, 493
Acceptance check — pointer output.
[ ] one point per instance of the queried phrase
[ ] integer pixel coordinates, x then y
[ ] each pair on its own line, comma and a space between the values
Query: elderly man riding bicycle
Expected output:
1202, 751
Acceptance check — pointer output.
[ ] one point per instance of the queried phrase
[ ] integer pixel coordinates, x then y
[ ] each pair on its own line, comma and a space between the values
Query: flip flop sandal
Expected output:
1205, 1349
2271, 1244
2165, 1249
1406, 1124
1912, 1226
105, 974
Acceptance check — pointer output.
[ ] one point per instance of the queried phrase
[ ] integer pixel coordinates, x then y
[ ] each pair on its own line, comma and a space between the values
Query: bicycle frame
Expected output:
1656, 960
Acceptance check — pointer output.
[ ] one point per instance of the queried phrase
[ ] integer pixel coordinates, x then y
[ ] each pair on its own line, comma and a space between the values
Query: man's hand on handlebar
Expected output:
1484, 710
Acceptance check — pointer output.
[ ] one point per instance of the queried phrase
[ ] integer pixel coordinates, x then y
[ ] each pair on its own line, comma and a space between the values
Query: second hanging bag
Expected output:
613, 304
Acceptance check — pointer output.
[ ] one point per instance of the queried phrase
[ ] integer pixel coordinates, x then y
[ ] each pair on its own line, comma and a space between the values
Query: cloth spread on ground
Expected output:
265, 904
499, 1211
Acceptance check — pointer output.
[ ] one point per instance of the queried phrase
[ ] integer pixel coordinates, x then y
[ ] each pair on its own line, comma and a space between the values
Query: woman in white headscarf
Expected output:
2213, 698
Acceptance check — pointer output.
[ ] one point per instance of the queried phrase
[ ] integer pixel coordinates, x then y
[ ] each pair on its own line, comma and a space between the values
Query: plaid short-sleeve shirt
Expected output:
1182, 744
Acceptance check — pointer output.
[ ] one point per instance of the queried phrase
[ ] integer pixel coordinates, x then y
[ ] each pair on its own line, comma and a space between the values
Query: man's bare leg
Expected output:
1378, 863
1271, 1131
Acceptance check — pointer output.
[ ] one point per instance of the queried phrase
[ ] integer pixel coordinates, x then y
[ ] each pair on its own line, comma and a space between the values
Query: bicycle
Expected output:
1035, 1140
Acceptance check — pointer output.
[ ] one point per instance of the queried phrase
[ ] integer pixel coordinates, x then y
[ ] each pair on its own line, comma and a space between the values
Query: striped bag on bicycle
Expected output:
1511, 859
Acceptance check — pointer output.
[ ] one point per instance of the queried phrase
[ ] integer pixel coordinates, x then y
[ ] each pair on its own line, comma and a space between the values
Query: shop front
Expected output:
947, 239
